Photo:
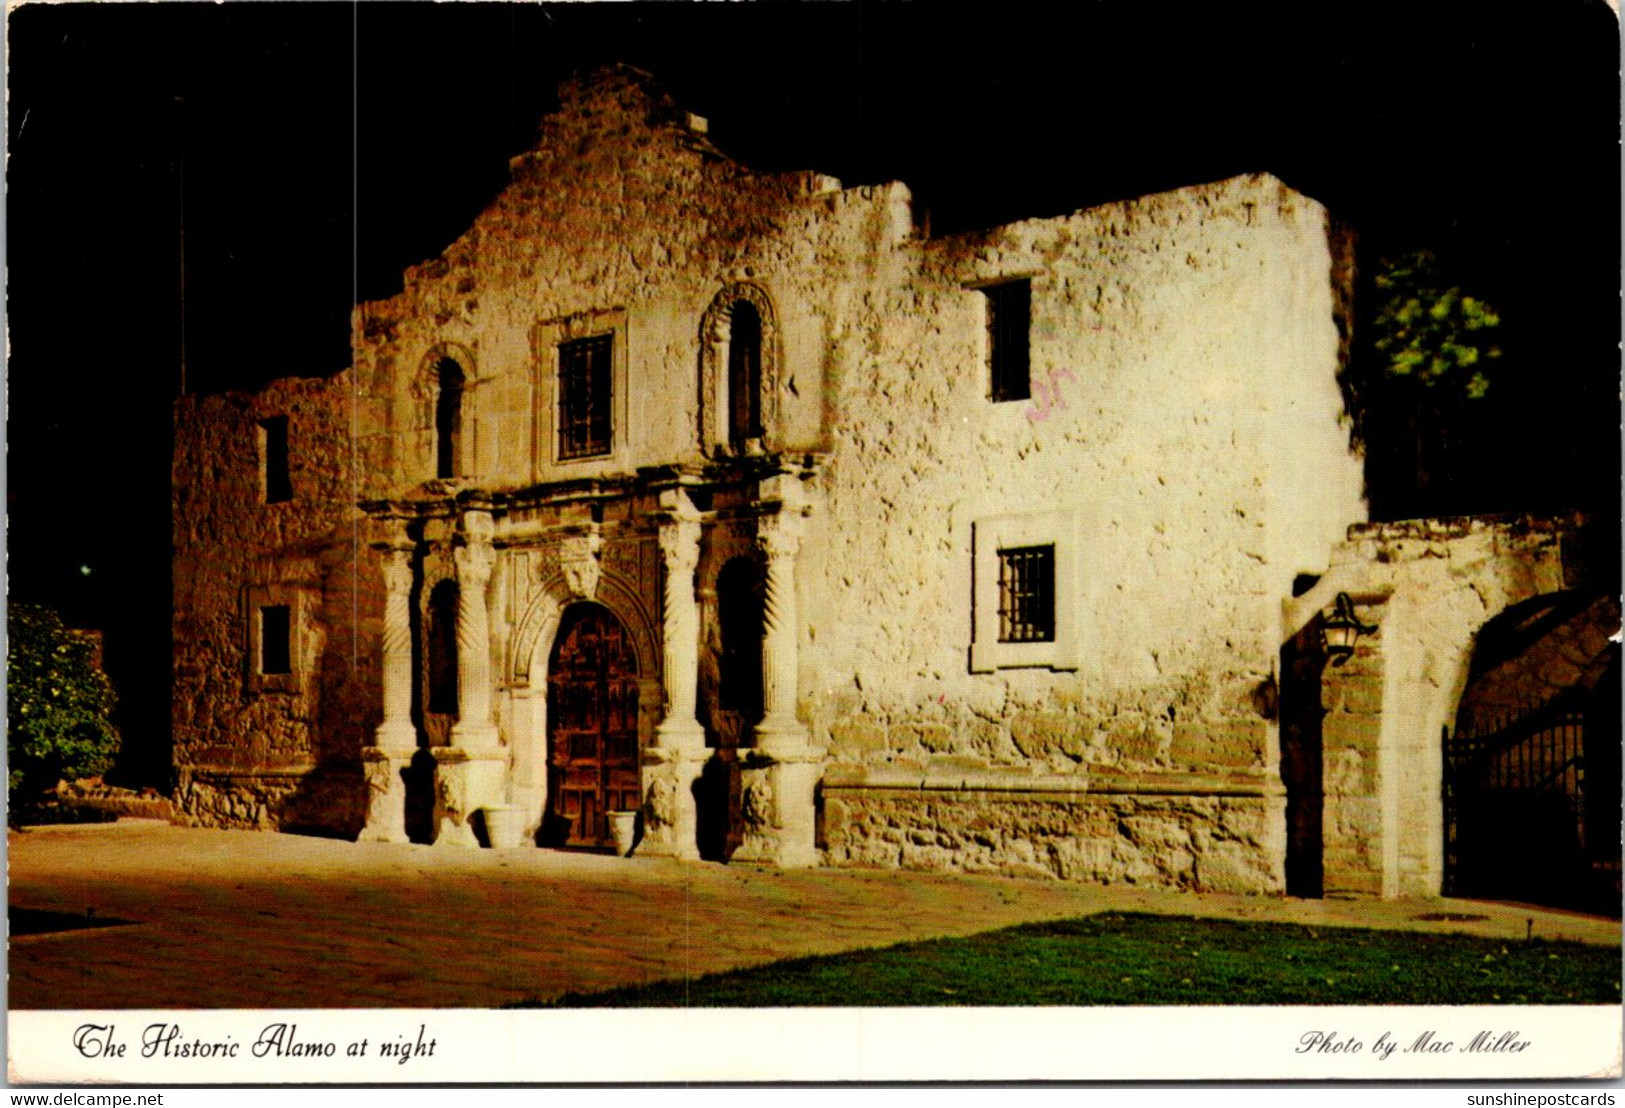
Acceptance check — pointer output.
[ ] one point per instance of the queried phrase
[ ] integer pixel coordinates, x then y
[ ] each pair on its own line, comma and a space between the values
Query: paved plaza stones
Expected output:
226, 919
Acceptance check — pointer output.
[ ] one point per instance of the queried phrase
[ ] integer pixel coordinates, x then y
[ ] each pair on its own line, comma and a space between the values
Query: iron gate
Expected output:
1528, 816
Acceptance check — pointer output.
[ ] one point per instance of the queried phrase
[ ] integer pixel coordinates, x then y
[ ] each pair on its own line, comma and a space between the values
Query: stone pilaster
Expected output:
779, 778
1353, 832
777, 796
396, 733
396, 739
674, 764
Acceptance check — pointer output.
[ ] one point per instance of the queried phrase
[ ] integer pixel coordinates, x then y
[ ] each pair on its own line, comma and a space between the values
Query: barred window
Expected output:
584, 396
1009, 314
1027, 594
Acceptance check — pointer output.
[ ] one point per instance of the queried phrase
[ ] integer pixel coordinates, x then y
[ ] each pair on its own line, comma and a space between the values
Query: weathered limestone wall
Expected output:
1047, 827
1185, 412
1428, 586
252, 751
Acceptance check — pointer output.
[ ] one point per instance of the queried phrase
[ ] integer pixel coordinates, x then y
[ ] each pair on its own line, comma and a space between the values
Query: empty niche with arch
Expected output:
744, 373
441, 643
731, 692
442, 389
739, 370
448, 417
739, 651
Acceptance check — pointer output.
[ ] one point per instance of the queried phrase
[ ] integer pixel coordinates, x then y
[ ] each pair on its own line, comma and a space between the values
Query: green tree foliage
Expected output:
58, 704
1431, 332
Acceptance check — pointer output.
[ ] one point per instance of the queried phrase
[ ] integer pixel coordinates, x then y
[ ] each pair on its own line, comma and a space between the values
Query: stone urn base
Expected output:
623, 831
504, 826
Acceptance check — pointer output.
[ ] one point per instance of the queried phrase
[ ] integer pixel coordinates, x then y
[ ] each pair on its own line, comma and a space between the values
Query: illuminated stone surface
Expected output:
1182, 440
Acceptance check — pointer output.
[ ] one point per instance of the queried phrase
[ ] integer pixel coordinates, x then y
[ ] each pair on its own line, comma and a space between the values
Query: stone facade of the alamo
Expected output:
738, 501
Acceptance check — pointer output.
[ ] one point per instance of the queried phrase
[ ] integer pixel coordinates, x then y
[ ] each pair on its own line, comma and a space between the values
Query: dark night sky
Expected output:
319, 148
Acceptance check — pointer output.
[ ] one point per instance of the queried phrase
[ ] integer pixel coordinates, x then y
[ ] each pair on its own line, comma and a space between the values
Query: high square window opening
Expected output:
276, 486
1009, 317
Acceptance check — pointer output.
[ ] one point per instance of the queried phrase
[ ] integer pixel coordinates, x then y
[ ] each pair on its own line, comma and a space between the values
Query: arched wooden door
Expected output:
592, 724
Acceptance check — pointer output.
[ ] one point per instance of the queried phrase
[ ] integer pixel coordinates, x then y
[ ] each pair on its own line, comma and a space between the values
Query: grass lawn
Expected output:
1121, 958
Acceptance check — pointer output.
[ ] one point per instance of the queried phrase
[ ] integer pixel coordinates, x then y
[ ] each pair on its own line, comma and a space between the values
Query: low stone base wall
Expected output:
1220, 842
93, 793
282, 800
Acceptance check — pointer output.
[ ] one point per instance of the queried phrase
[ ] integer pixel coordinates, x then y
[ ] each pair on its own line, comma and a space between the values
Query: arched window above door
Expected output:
448, 417
744, 373
739, 371
442, 440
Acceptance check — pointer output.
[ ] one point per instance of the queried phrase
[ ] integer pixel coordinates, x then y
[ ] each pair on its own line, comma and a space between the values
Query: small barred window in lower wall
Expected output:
274, 618
1027, 594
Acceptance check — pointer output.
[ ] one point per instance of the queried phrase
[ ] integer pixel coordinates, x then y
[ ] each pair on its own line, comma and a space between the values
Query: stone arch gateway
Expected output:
1428, 587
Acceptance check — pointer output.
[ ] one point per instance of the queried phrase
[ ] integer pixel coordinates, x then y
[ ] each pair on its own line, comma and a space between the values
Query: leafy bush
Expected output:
59, 706
1431, 332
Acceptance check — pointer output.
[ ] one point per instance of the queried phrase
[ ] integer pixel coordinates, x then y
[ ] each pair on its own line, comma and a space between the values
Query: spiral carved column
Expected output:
680, 633
473, 729
396, 733
674, 764
780, 538
396, 739
780, 775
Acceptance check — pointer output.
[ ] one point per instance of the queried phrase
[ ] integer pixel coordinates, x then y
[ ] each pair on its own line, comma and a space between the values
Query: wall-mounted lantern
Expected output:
1340, 629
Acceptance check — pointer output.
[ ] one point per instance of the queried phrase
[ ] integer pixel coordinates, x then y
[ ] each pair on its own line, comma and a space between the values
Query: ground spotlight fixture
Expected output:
1340, 629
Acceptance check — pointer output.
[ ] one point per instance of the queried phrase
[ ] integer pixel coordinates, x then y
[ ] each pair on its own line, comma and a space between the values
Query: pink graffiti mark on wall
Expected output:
1048, 395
